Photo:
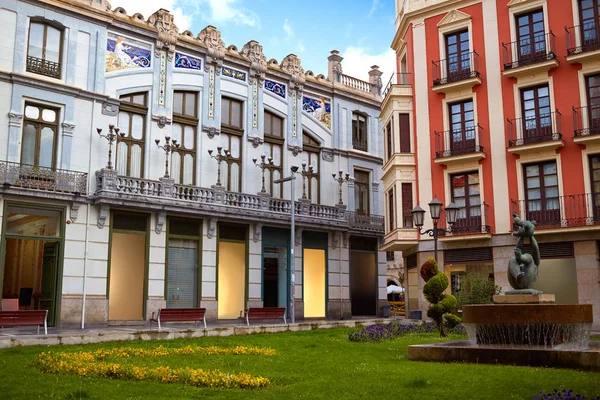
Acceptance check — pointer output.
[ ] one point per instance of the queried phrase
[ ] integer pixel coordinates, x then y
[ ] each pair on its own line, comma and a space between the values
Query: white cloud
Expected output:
289, 31
224, 11
358, 61
149, 7
374, 7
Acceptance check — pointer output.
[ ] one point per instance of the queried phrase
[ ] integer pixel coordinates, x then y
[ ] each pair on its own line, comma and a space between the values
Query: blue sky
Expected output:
361, 30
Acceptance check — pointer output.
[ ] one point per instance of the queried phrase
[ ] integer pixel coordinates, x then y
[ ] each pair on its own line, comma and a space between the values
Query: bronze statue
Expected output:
523, 267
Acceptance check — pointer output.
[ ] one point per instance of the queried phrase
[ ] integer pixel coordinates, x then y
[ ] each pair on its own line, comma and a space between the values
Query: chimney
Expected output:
334, 67
375, 80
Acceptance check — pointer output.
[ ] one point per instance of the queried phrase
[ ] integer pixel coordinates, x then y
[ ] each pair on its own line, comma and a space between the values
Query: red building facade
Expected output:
496, 107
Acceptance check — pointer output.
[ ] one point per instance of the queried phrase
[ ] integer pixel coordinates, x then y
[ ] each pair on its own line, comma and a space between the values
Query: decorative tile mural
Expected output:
234, 73
318, 108
275, 87
211, 92
187, 62
123, 53
255, 103
294, 113
162, 80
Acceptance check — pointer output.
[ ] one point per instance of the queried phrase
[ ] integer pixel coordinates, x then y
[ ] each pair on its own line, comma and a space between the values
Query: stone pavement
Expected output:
27, 335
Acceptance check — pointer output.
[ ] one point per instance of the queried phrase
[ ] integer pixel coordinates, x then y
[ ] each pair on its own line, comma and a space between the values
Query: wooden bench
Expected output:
179, 315
265, 313
25, 318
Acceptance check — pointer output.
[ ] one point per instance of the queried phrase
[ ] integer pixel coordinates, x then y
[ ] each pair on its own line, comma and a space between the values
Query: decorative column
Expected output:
253, 51
292, 65
211, 109
15, 126
375, 80
334, 66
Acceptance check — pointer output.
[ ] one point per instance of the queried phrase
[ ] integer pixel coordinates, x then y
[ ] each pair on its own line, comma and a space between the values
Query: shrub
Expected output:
429, 269
433, 291
379, 332
452, 321
476, 289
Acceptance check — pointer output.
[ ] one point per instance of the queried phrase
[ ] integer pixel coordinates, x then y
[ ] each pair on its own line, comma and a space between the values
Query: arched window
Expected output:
44, 49
312, 151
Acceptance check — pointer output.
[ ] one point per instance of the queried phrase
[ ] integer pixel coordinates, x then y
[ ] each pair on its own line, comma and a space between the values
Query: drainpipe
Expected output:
87, 218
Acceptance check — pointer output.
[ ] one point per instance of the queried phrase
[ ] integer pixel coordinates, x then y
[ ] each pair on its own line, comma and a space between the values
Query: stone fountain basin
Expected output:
465, 351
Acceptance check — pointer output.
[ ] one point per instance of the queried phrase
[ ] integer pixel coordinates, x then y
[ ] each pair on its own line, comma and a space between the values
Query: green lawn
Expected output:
320, 364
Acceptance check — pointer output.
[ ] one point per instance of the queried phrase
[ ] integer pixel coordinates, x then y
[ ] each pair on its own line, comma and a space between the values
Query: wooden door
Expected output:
537, 117
49, 280
458, 54
531, 39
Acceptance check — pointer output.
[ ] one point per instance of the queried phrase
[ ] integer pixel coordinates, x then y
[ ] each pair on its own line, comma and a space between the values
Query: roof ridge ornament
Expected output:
168, 32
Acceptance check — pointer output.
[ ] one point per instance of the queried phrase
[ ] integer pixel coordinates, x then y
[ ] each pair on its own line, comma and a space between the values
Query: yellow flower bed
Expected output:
88, 363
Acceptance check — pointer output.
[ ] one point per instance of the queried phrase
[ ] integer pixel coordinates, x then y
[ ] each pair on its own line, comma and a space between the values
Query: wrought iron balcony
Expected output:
586, 121
215, 201
42, 179
458, 142
560, 212
469, 221
583, 38
360, 143
528, 50
538, 129
398, 79
456, 68
43, 67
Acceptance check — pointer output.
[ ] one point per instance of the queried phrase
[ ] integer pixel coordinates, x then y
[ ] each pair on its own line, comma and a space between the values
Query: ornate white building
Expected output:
186, 211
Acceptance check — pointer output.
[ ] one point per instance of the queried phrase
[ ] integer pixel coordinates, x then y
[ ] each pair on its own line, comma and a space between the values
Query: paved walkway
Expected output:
27, 336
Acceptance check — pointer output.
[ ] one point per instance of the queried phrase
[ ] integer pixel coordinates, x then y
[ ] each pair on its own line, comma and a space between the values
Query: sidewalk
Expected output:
27, 336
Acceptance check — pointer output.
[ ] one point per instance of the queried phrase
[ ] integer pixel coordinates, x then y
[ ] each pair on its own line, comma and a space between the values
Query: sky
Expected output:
361, 30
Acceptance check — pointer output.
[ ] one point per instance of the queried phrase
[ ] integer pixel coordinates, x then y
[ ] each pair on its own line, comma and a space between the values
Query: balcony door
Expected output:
462, 127
537, 118
595, 179
458, 53
592, 83
531, 39
541, 193
466, 195
589, 13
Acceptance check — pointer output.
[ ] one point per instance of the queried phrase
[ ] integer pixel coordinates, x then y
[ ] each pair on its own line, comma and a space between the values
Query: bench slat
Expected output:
180, 315
256, 313
24, 318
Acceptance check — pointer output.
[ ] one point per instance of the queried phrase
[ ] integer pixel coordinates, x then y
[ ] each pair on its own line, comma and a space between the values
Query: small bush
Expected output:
452, 320
434, 288
379, 332
477, 290
429, 269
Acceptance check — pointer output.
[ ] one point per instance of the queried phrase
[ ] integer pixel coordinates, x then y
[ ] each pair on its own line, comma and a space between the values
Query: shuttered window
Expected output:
552, 250
404, 133
407, 205
461, 256
182, 274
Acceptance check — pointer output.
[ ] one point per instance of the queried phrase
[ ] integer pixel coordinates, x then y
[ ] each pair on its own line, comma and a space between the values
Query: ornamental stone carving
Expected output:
67, 128
163, 21
327, 155
292, 65
211, 131
110, 109
255, 140
15, 119
161, 120
258, 67
211, 38
295, 150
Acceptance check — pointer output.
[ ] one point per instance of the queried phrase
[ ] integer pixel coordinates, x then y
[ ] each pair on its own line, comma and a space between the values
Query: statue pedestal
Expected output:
525, 298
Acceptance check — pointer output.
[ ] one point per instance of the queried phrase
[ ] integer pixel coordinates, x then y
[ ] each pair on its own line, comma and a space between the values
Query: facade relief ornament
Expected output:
109, 109
211, 38
258, 67
375, 186
211, 131
256, 233
256, 141
67, 128
453, 17
295, 149
161, 120
327, 155
15, 119
163, 21
292, 65
212, 227
103, 214
161, 218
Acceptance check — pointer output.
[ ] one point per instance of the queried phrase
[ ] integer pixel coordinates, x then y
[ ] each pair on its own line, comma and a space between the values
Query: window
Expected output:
130, 148
39, 136
361, 191
232, 116
44, 49
537, 118
389, 256
466, 195
359, 132
389, 135
274, 149
531, 39
231, 167
312, 149
407, 205
589, 13
391, 210
185, 123
592, 84
462, 127
595, 179
458, 56
404, 133
541, 193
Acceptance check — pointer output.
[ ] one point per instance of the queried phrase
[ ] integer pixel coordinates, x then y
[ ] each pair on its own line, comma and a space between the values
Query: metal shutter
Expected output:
182, 278
461, 256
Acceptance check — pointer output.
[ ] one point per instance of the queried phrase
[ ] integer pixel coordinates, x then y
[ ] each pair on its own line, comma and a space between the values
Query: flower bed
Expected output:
380, 332
97, 363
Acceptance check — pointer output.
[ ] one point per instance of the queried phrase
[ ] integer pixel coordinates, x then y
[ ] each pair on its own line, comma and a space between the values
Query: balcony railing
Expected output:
360, 143
355, 84
43, 67
469, 221
586, 120
458, 142
44, 179
111, 185
528, 50
403, 78
564, 211
582, 38
543, 128
456, 68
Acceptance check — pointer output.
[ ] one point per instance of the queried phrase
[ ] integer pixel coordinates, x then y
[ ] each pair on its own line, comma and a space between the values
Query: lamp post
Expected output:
264, 165
341, 178
435, 208
306, 173
292, 178
220, 156
111, 136
169, 147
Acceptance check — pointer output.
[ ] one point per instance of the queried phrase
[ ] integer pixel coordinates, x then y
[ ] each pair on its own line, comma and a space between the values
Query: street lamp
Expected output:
341, 178
220, 156
435, 208
264, 165
169, 147
111, 136
310, 173
292, 178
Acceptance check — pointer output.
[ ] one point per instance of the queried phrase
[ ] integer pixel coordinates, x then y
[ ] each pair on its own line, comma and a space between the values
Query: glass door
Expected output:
462, 127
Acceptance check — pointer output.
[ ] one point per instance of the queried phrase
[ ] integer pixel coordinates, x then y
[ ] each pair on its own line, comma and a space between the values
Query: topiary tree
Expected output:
442, 305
